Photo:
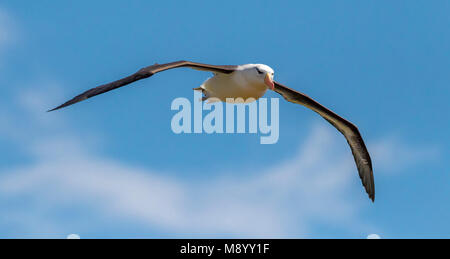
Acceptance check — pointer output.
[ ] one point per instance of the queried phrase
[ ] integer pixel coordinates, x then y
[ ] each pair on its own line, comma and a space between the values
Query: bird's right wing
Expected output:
145, 73
350, 132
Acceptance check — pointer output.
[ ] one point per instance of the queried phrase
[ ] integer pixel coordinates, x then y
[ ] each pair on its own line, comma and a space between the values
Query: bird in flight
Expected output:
251, 81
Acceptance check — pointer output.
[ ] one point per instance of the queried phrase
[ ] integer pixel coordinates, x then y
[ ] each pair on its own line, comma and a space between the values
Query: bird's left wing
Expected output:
350, 132
145, 73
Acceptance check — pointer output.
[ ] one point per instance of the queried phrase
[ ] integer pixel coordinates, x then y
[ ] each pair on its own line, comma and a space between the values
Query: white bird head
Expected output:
259, 74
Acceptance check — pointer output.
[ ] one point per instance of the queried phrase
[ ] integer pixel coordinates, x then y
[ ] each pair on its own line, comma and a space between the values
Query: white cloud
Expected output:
281, 201
316, 186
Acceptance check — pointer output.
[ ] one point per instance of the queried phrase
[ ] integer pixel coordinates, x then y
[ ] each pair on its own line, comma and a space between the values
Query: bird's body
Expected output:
236, 87
250, 82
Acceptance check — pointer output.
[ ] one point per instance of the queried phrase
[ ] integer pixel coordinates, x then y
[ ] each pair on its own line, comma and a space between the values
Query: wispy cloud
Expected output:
315, 187
395, 155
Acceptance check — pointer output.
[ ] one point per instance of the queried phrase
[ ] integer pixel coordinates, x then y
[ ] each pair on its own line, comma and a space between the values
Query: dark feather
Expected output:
145, 73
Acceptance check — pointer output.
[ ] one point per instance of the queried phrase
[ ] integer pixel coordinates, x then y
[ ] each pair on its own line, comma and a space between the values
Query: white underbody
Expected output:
235, 85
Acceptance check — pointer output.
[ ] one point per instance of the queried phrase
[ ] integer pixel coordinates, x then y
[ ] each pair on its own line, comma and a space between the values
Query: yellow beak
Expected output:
269, 82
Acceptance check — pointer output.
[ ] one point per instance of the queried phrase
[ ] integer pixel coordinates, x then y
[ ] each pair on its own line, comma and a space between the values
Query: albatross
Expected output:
251, 81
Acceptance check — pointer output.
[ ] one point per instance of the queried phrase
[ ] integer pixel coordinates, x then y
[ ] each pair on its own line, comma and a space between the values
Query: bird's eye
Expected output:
259, 71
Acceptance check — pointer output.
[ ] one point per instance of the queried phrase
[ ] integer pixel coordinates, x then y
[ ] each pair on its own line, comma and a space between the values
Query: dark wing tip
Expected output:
57, 108
362, 159
370, 189
368, 182
372, 194
76, 99
366, 174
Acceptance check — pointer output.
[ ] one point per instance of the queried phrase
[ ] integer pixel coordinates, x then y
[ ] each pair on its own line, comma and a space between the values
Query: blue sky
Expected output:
112, 167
